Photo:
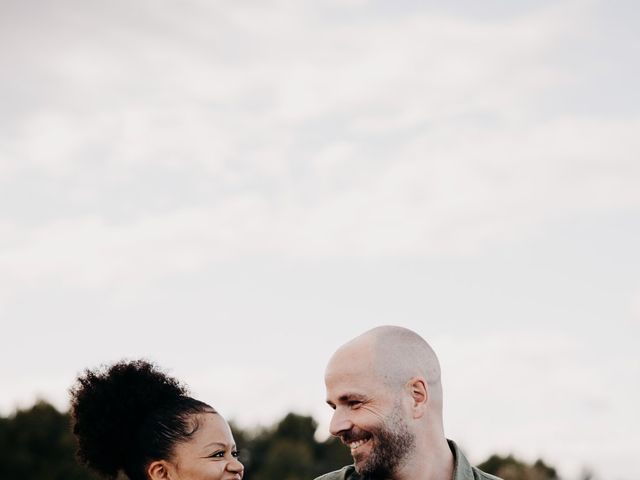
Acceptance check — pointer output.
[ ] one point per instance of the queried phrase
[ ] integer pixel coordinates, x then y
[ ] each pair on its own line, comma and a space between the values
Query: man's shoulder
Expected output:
480, 475
463, 470
344, 473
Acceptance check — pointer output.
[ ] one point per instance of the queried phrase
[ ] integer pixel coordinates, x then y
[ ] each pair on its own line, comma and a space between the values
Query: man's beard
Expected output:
391, 443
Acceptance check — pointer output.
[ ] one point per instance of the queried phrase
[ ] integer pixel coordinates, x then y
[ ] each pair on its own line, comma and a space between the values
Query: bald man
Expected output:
384, 387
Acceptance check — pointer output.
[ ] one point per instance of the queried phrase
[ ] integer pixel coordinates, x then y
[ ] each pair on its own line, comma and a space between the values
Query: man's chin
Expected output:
366, 474
362, 468
367, 471
360, 460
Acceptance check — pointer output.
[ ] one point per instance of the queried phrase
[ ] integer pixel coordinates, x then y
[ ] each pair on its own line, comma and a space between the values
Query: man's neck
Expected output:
433, 463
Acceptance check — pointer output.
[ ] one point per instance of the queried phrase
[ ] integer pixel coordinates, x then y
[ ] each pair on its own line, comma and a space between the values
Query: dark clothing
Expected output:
462, 470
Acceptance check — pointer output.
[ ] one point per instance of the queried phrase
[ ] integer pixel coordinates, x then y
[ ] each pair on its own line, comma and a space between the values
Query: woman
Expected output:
131, 417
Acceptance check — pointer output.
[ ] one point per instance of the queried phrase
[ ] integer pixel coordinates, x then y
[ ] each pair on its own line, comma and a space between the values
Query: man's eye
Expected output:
354, 403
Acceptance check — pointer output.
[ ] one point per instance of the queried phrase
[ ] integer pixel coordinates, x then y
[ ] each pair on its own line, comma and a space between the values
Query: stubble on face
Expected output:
392, 443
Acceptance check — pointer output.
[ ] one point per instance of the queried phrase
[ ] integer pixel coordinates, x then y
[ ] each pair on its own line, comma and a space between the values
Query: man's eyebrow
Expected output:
347, 397
351, 396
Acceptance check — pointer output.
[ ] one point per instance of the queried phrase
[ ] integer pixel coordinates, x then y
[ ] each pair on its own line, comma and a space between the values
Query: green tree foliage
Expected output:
36, 444
289, 451
510, 468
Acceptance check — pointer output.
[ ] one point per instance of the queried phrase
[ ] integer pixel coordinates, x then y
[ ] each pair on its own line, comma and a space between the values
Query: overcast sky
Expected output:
235, 188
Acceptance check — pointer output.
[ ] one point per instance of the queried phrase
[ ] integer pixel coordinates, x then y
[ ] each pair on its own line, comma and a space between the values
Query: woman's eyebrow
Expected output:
218, 444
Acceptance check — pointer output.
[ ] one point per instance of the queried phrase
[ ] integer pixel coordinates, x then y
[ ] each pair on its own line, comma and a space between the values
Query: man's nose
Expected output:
340, 422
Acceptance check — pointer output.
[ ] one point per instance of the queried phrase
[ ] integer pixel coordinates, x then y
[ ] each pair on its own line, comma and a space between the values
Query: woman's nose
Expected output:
235, 466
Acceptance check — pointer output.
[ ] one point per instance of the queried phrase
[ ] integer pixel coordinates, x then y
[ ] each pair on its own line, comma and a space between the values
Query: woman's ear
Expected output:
419, 392
159, 470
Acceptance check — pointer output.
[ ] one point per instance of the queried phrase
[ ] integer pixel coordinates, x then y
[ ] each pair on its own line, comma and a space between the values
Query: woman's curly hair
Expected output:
130, 414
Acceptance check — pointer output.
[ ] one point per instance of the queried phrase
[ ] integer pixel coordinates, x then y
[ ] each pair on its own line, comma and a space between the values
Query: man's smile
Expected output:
354, 445
355, 438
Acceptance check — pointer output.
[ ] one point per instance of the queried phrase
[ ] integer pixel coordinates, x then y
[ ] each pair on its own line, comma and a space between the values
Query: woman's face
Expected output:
210, 454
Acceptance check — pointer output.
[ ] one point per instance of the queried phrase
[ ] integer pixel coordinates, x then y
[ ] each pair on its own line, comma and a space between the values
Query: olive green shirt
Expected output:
462, 470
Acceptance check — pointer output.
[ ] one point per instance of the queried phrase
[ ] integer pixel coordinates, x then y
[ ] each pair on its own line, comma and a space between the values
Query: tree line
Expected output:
37, 444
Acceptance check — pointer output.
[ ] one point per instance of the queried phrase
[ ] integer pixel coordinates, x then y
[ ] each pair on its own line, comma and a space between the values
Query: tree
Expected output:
510, 468
37, 444
289, 451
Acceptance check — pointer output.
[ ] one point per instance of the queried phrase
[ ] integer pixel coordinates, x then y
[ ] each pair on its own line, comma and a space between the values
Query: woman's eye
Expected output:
217, 454
355, 403
235, 454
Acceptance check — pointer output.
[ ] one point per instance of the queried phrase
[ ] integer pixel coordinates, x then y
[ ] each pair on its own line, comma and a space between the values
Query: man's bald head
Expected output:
401, 354
396, 355
385, 391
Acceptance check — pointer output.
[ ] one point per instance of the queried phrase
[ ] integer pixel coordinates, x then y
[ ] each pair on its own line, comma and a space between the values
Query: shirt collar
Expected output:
461, 466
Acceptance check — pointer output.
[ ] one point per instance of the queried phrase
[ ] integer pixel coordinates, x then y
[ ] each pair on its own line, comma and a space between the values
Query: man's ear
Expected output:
419, 393
158, 470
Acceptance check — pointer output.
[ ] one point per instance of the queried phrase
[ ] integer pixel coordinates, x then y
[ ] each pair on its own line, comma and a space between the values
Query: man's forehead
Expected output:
351, 368
350, 359
349, 383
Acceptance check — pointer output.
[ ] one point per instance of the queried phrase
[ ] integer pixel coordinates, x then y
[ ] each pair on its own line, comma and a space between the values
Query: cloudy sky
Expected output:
235, 188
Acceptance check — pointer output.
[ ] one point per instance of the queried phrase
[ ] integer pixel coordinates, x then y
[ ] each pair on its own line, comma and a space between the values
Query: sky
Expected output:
233, 189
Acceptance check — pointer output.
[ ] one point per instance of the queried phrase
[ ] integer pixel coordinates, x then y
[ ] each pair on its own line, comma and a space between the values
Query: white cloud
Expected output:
557, 395
149, 142
635, 309
444, 192
185, 89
